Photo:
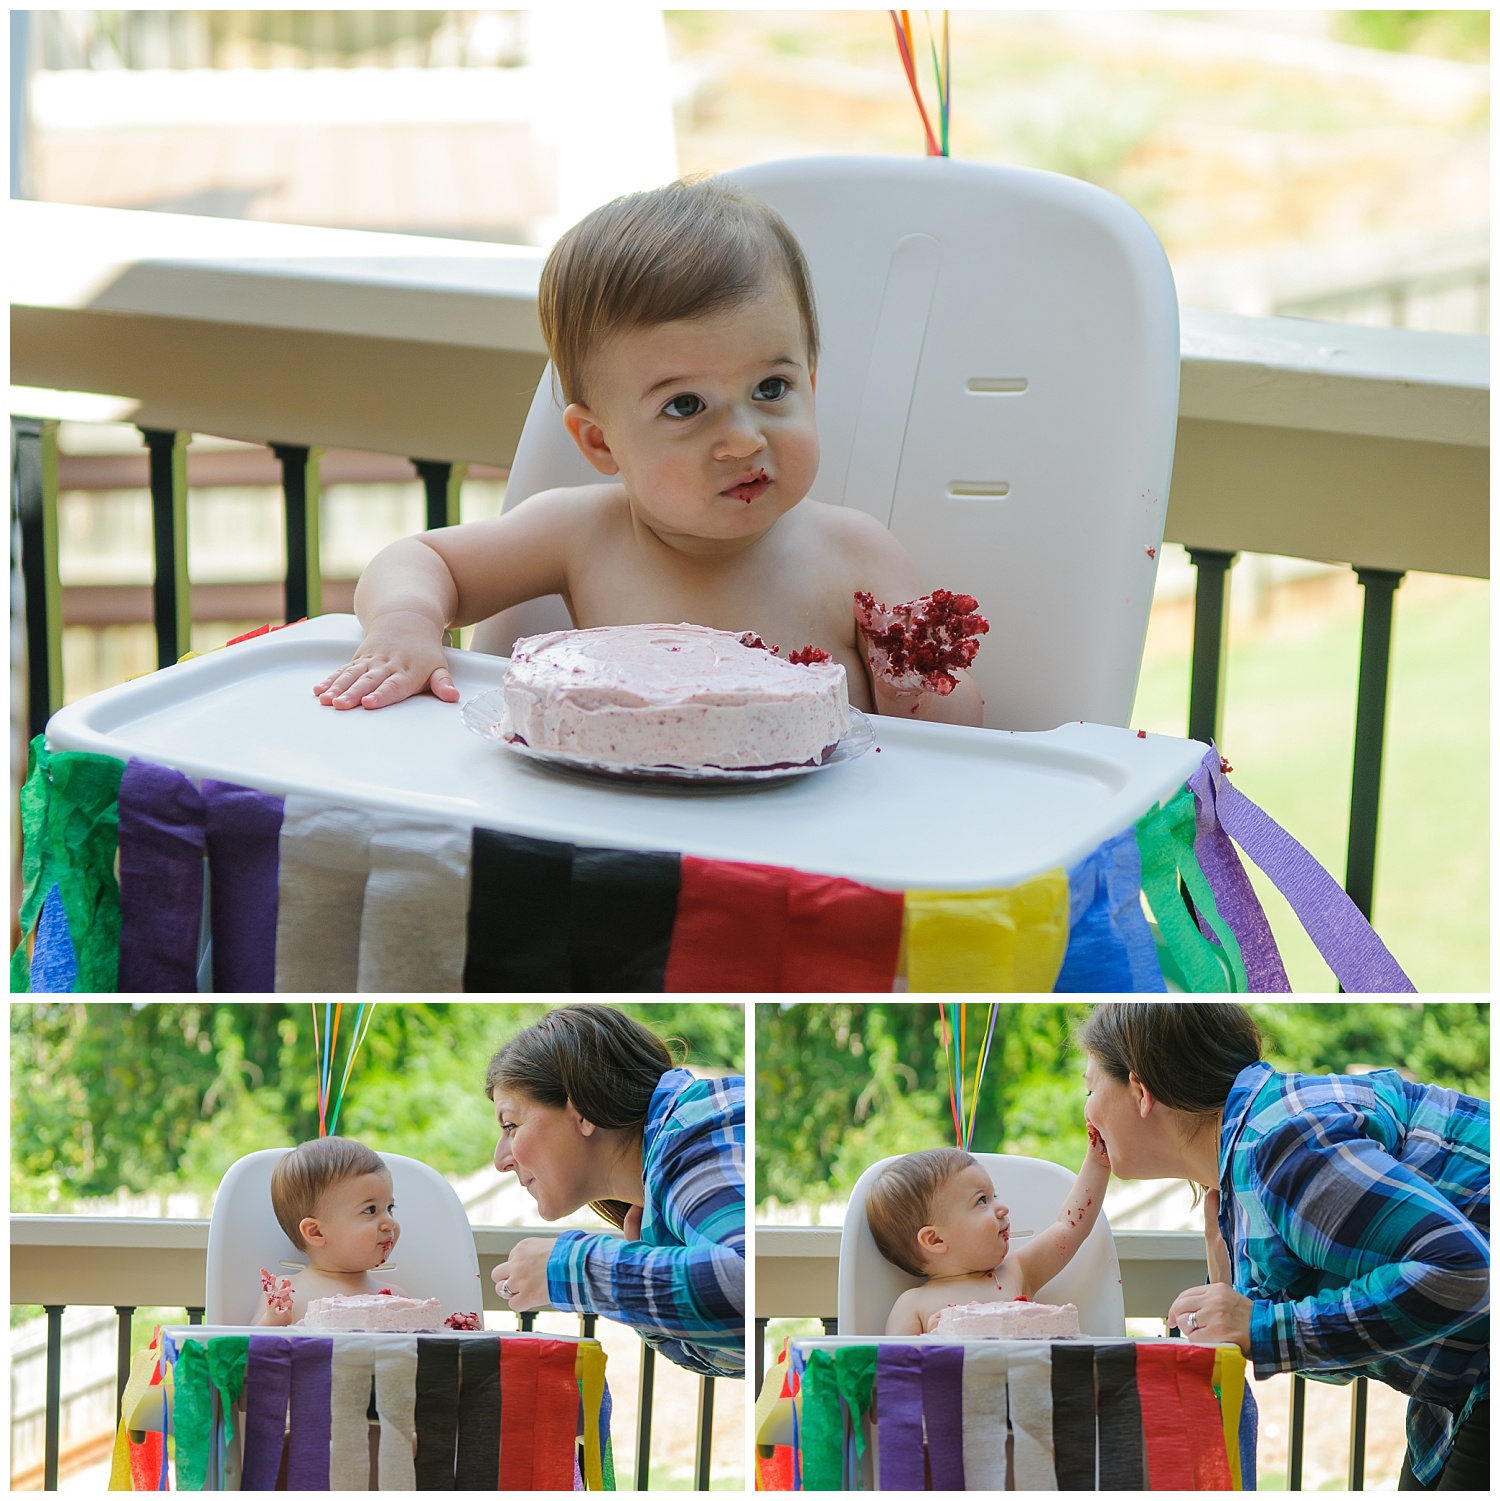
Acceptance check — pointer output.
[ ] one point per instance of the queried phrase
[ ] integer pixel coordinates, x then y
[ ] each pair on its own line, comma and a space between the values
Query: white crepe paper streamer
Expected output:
320, 894
396, 1402
984, 1392
416, 914
349, 1406
1030, 1382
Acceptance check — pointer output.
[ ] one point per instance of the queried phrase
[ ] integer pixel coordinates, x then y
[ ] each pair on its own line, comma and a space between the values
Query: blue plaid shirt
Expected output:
682, 1284
1357, 1214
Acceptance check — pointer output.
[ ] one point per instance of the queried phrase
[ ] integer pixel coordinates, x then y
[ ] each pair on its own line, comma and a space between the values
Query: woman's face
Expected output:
547, 1148
1112, 1108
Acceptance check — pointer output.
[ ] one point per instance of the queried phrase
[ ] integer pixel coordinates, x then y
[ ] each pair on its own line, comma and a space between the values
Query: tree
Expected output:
145, 1096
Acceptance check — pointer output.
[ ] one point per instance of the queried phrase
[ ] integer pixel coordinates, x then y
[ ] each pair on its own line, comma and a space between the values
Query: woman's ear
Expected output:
1141, 1097
583, 426
585, 1127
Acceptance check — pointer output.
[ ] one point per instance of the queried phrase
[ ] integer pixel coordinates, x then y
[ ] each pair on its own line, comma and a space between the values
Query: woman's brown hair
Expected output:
596, 1058
682, 251
1187, 1053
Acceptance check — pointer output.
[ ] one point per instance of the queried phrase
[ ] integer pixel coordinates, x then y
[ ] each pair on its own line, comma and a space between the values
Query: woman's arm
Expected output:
1399, 1266
692, 1291
1053, 1248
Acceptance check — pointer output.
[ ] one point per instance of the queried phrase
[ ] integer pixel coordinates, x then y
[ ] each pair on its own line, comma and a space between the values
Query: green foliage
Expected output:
156, 1096
1460, 34
840, 1084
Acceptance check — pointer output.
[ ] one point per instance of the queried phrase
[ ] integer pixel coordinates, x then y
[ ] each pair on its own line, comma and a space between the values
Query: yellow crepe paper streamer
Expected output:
136, 1386
988, 940
1229, 1378
590, 1372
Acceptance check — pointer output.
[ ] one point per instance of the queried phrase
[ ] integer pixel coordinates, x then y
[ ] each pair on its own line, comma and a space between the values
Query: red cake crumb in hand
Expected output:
463, 1321
808, 656
917, 646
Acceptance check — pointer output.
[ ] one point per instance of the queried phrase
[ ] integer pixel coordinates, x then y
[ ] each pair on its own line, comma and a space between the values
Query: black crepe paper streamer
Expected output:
1073, 1415
519, 898
624, 903
437, 1413
478, 1466
1122, 1441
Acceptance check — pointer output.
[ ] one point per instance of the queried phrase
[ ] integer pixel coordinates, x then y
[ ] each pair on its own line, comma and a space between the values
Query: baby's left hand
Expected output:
278, 1291
916, 647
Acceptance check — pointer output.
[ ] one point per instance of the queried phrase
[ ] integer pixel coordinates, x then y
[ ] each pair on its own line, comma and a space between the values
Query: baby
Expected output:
683, 334
934, 1214
333, 1198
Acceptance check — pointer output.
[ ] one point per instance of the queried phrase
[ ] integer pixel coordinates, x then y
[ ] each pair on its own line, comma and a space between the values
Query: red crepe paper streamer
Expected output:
557, 1402
1169, 1448
519, 1359
1201, 1417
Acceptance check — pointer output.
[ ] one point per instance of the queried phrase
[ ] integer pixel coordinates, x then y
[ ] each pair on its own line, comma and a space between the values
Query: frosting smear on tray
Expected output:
672, 695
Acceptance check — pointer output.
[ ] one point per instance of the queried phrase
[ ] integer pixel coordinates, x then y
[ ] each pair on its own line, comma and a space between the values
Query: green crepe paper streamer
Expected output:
36, 857
1165, 837
192, 1416
854, 1370
227, 1355
84, 822
822, 1425
607, 1466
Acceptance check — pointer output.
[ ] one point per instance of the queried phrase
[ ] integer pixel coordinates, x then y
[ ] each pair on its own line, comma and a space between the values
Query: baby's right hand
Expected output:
278, 1293
391, 664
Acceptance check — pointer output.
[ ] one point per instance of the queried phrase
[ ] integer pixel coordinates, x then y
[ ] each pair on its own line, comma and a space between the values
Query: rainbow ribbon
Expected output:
937, 143
963, 1099
325, 1048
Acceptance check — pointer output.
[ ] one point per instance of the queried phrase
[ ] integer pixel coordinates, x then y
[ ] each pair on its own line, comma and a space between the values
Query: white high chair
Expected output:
998, 385
434, 1257
1034, 1192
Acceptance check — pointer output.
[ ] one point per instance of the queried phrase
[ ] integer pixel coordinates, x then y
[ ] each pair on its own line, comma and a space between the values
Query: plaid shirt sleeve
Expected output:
682, 1285
1384, 1263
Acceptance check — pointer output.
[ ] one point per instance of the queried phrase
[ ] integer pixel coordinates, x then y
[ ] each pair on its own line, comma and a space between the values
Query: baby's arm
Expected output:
906, 1315
413, 590
1054, 1247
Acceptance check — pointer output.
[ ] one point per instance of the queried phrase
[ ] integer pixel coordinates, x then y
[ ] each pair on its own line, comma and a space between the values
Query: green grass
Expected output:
1289, 732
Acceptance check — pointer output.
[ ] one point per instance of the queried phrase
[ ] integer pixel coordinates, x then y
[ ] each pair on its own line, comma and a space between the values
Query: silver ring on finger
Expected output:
505, 1289
1192, 1321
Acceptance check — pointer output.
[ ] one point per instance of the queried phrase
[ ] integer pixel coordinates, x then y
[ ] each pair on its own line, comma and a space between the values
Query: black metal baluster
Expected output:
1359, 1412
443, 483
34, 494
761, 1325
170, 595
587, 1323
528, 1321
122, 1351
1210, 642
300, 495
54, 1312
1380, 585
830, 1326
643, 1418
195, 1315
705, 1433
1294, 1442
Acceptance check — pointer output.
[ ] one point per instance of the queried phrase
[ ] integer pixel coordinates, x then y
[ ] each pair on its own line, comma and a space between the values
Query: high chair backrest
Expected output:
434, 1257
998, 385
1034, 1192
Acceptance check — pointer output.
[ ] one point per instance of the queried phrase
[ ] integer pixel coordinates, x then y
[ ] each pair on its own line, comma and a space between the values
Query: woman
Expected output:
1347, 1217
592, 1111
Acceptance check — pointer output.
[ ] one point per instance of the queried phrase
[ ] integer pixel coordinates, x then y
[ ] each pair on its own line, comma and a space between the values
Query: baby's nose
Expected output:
741, 436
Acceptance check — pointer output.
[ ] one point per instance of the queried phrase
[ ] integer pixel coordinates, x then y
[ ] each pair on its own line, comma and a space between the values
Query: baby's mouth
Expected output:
749, 488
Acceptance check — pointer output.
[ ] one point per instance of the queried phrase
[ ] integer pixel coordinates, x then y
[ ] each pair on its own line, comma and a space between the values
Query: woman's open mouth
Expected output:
750, 488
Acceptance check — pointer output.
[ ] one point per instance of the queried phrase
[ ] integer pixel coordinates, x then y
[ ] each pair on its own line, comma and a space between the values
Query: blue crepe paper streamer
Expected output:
1110, 947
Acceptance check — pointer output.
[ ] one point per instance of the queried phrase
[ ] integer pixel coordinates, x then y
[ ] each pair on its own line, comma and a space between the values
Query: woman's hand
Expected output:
631, 1229
525, 1272
1214, 1314
1219, 1268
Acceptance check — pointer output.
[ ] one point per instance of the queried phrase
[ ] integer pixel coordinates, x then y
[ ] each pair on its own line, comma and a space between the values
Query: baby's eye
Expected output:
773, 388
686, 405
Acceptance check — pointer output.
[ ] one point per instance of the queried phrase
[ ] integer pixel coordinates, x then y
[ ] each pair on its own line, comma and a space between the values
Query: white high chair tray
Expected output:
938, 806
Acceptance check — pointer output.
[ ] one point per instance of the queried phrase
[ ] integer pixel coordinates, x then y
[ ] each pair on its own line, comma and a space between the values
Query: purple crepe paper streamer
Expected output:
244, 837
311, 1438
943, 1409
898, 1393
161, 878
268, 1381
1336, 926
1234, 896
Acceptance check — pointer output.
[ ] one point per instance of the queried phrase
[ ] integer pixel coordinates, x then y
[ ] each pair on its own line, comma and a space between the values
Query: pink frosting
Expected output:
1018, 1320
671, 695
374, 1311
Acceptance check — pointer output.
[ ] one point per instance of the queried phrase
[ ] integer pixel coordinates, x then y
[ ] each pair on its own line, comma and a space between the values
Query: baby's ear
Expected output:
930, 1241
583, 427
312, 1231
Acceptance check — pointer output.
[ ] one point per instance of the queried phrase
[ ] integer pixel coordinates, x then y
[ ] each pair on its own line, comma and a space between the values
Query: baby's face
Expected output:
709, 423
356, 1220
974, 1228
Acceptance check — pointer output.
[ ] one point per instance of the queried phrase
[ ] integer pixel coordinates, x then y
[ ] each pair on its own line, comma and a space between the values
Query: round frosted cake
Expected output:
381, 1312
1018, 1320
672, 695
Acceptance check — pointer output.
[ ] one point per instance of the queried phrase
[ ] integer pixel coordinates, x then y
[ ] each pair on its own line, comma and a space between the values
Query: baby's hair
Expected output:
301, 1178
689, 249
900, 1202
